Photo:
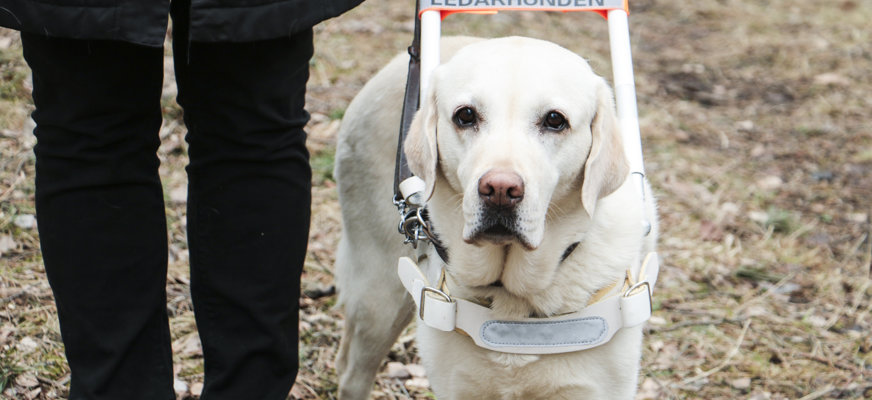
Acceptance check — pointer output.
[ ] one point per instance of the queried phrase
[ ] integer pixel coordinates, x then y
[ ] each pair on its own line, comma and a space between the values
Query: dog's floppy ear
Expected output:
420, 147
606, 167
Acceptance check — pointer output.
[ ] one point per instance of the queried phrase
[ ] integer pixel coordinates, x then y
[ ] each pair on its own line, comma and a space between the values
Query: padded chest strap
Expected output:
628, 305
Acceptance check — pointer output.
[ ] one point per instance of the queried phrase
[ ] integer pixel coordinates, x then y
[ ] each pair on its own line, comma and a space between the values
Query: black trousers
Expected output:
100, 208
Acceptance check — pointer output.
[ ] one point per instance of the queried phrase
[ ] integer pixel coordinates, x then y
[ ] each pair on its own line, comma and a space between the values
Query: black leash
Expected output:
410, 105
414, 223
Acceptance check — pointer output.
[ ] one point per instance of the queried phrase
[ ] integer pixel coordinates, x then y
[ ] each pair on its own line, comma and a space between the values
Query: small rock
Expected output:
25, 137
741, 383
831, 78
25, 221
649, 389
179, 195
6, 244
728, 211
857, 217
417, 383
180, 387
318, 318
758, 395
759, 217
788, 288
397, 370
770, 182
196, 389
817, 321
758, 150
189, 346
27, 345
745, 126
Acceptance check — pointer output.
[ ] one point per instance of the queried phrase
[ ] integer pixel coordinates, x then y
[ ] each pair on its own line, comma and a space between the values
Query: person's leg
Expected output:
100, 211
248, 206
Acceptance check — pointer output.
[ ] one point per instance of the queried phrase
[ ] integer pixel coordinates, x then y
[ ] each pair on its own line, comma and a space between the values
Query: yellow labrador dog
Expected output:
528, 190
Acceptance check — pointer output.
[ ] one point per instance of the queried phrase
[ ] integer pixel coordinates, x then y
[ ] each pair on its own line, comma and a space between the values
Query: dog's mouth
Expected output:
498, 232
498, 228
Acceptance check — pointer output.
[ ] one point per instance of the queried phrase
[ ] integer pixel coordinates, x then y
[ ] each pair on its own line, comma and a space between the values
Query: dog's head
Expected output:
511, 126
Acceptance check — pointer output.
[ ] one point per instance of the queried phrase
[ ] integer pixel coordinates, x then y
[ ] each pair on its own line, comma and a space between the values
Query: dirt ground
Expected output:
755, 124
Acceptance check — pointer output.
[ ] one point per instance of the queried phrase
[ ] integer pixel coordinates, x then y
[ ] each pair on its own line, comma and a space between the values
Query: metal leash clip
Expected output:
415, 226
410, 203
413, 223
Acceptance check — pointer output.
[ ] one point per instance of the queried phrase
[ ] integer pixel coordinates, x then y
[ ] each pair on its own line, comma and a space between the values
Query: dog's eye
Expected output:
554, 121
465, 117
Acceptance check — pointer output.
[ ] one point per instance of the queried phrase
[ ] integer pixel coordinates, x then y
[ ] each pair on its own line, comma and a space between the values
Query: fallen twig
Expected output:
831, 363
727, 359
818, 393
686, 324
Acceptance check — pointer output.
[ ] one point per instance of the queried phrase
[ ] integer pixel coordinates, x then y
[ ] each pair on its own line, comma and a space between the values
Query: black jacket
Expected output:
145, 21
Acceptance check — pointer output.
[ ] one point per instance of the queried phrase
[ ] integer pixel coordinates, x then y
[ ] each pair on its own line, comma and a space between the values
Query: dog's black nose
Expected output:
500, 188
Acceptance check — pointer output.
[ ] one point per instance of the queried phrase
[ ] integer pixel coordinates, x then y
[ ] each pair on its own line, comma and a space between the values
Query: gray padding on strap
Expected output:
580, 331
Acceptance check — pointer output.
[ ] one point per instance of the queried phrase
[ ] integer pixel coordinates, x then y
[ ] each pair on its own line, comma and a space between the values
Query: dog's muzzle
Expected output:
500, 192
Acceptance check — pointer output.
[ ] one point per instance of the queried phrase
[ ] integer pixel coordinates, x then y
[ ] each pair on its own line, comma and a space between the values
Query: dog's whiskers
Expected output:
554, 212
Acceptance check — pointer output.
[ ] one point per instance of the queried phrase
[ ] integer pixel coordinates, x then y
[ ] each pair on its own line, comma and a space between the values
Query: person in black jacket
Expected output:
241, 69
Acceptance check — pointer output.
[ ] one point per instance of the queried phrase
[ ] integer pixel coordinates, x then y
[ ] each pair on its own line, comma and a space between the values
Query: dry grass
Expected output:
754, 115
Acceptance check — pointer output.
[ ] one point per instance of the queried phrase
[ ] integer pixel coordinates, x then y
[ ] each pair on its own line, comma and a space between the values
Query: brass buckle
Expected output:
432, 290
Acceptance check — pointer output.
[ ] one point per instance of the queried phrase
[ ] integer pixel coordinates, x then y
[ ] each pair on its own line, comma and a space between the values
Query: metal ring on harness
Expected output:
414, 226
424, 291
